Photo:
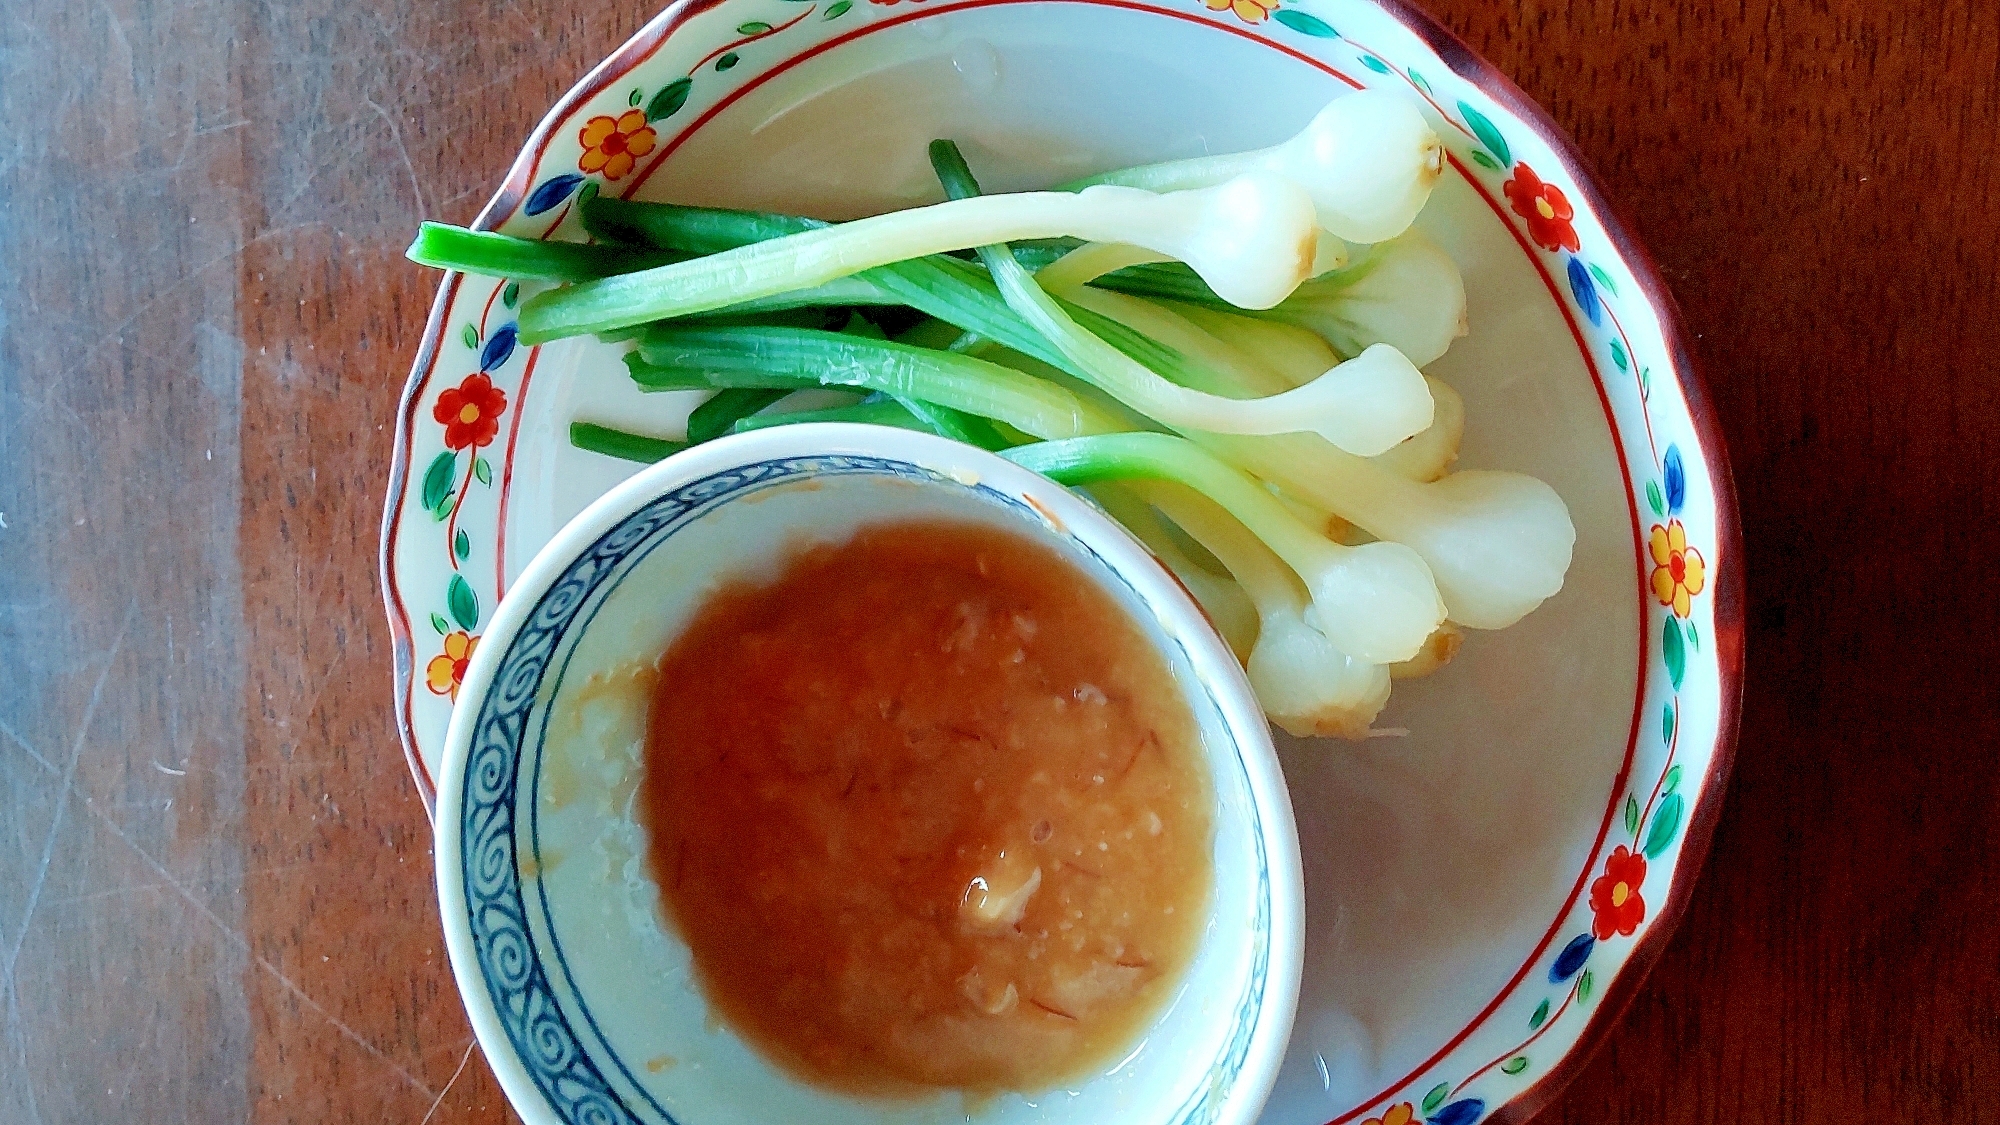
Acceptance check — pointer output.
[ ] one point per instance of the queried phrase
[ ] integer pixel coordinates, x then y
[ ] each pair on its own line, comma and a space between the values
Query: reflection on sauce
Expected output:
930, 811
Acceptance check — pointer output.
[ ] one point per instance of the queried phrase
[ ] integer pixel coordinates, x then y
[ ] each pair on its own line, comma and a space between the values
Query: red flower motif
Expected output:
1678, 570
1545, 207
445, 674
1403, 1114
611, 145
470, 412
1249, 11
1614, 897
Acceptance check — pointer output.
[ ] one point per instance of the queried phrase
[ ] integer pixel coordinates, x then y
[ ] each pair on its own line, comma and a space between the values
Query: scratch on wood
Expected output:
396, 134
19, 1040
62, 800
449, 1083
25, 748
242, 943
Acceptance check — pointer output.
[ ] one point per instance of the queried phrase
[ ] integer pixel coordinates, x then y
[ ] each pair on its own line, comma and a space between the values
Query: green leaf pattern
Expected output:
1666, 822
439, 479
463, 603
1673, 650
670, 99
1305, 24
1482, 127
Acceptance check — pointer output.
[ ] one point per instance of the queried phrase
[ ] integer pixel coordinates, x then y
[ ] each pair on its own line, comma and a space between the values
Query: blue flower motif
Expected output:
1572, 958
1677, 481
499, 346
1464, 1111
552, 192
1581, 284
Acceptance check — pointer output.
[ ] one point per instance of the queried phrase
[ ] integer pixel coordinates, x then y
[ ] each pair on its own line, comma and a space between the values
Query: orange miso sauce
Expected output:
930, 811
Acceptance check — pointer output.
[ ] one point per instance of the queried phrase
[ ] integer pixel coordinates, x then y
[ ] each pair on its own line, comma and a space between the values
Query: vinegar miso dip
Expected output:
930, 811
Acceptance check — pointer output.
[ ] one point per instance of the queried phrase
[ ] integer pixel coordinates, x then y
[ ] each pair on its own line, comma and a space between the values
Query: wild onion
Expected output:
1497, 543
878, 412
1316, 407
490, 254
1367, 404
721, 412
676, 377
874, 410
1296, 354
1221, 598
620, 444
1250, 238
1217, 299
957, 424
1092, 260
835, 360
1437, 652
691, 230
1369, 160
1376, 601
1305, 683
1429, 455
1406, 292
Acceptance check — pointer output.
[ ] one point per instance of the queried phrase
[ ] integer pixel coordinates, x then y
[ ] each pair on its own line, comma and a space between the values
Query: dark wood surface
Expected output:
215, 876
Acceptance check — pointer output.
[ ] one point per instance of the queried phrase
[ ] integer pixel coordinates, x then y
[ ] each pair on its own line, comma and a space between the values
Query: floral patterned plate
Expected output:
1487, 888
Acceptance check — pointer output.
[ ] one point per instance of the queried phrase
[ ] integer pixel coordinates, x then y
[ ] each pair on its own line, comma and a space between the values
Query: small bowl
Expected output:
584, 1001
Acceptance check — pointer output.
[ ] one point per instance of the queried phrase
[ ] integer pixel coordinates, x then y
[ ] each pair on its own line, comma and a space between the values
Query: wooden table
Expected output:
215, 876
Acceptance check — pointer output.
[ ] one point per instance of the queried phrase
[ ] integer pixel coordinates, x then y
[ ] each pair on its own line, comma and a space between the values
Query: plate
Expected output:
1487, 884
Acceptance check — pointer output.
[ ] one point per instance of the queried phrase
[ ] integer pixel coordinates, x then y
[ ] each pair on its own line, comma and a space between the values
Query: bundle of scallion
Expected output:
1196, 343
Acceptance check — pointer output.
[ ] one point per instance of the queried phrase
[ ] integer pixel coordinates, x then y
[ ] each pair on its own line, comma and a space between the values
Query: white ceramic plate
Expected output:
1483, 892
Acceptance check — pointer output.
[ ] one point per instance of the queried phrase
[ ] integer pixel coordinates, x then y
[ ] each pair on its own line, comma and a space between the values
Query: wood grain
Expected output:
1813, 181
215, 883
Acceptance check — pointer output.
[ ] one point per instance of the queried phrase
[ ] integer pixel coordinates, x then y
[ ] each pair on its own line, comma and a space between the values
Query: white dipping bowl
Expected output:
583, 996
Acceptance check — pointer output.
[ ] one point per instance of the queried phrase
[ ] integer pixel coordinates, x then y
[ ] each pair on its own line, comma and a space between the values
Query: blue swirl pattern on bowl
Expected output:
512, 961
